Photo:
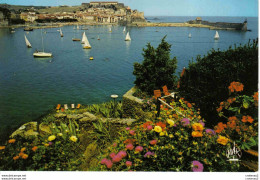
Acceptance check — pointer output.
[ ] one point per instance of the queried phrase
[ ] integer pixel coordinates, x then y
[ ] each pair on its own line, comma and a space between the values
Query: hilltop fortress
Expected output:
95, 12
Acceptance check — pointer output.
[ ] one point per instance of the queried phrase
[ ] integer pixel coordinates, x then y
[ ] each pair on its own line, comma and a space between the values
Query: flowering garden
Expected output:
179, 140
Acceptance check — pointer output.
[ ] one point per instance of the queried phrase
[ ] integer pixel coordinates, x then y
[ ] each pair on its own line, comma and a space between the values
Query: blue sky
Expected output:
245, 8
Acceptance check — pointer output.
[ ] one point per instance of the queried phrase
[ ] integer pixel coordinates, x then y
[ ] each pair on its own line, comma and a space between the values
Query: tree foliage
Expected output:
205, 82
157, 68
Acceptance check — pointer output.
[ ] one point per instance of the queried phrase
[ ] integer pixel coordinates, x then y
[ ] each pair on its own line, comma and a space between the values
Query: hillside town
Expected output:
97, 11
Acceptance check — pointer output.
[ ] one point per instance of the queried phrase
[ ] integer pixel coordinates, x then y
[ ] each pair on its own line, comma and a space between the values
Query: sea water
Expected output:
29, 86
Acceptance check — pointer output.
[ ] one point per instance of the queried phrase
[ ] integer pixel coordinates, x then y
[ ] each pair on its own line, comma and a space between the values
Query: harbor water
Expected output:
29, 86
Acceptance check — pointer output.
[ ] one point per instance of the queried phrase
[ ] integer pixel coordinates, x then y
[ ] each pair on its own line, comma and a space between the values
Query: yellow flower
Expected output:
2, 147
11, 141
23, 149
51, 138
171, 122
222, 140
194, 143
161, 134
170, 116
197, 127
46, 145
59, 134
73, 138
157, 129
170, 135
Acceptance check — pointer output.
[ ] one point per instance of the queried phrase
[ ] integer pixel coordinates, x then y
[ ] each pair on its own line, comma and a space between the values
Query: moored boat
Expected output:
28, 29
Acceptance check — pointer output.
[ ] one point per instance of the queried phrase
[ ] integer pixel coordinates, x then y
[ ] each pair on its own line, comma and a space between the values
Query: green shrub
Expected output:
205, 82
157, 69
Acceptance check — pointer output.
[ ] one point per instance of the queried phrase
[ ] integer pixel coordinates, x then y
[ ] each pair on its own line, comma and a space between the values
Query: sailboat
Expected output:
83, 38
86, 43
77, 26
216, 35
42, 53
61, 34
74, 27
190, 35
127, 38
28, 44
98, 38
110, 30
124, 29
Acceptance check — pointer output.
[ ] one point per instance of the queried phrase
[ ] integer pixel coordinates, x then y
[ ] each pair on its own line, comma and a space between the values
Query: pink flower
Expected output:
139, 148
116, 158
202, 123
128, 163
129, 146
112, 155
128, 128
132, 132
153, 142
149, 127
104, 161
197, 166
122, 154
149, 153
109, 164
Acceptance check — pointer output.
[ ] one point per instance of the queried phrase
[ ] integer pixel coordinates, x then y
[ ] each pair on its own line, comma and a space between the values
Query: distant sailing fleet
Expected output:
84, 41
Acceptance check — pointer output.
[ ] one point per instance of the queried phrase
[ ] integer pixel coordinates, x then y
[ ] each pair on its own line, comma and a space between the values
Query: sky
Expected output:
244, 8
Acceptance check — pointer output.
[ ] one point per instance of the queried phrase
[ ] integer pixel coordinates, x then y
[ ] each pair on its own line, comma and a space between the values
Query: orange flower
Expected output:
2, 147
255, 96
247, 119
197, 127
232, 118
231, 100
220, 127
219, 109
15, 157
161, 124
189, 105
34, 148
222, 140
24, 156
196, 134
11, 141
21, 154
130, 141
236, 86
23, 149
231, 124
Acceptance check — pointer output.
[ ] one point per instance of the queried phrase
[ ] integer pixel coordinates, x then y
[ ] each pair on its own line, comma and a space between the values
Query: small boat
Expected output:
12, 31
124, 29
75, 39
86, 43
91, 58
83, 38
27, 32
216, 35
42, 53
28, 29
110, 30
127, 38
98, 38
74, 27
189, 35
77, 26
61, 34
28, 44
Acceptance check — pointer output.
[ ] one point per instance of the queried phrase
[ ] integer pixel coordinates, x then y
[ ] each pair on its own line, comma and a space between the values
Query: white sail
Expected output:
124, 29
216, 35
83, 38
110, 30
61, 34
190, 35
77, 26
86, 43
28, 44
127, 38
